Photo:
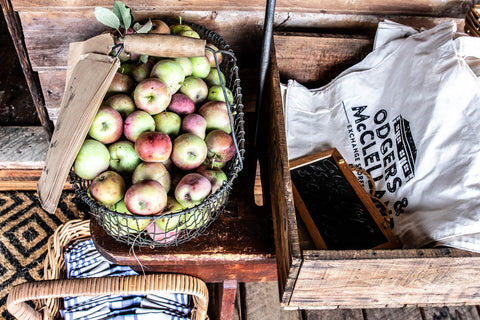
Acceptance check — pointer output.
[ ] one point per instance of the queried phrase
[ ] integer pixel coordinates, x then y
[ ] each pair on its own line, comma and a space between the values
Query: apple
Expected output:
166, 222
189, 151
196, 219
181, 104
170, 72
216, 176
220, 146
190, 34
107, 126
122, 226
168, 122
141, 71
123, 158
159, 26
146, 197
92, 159
137, 123
216, 115
195, 88
210, 57
213, 80
215, 93
186, 65
152, 171
152, 95
153, 146
107, 188
122, 103
125, 68
194, 123
200, 66
159, 235
121, 83
192, 189
177, 28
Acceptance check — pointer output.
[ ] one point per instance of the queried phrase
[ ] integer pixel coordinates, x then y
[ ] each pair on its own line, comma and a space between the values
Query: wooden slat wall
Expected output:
49, 27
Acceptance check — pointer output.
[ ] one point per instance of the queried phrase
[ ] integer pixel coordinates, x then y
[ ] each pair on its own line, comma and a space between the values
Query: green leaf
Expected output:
143, 58
143, 29
107, 17
123, 13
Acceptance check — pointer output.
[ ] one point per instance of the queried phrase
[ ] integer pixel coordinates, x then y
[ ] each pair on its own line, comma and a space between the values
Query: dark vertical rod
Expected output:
265, 59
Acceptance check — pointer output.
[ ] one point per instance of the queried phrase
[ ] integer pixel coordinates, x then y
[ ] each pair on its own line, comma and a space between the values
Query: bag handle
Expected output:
164, 45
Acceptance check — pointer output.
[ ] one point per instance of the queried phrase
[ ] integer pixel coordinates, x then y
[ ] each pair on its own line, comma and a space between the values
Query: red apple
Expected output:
146, 197
153, 146
181, 104
151, 95
189, 151
121, 83
192, 189
220, 146
216, 176
194, 123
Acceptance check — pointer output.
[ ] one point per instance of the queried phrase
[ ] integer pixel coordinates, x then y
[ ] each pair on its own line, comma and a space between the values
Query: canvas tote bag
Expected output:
409, 115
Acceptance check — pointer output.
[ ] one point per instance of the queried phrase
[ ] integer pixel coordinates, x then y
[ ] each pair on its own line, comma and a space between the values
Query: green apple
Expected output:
216, 176
122, 103
121, 226
107, 126
177, 28
190, 34
153, 171
123, 158
194, 88
196, 219
215, 93
186, 65
170, 223
200, 66
170, 72
213, 79
108, 188
92, 159
168, 122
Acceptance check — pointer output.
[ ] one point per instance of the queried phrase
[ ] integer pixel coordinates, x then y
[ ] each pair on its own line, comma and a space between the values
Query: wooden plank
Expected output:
336, 314
387, 278
23, 147
47, 34
414, 7
227, 291
451, 313
15, 30
23, 180
405, 313
322, 57
275, 162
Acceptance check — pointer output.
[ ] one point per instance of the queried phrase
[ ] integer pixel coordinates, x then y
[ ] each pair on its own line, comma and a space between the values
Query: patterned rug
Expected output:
24, 232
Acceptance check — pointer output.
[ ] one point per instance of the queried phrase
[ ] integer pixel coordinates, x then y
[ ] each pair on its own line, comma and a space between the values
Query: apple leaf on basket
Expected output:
123, 13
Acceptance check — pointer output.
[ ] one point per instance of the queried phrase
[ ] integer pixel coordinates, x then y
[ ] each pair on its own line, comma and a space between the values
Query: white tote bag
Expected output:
408, 114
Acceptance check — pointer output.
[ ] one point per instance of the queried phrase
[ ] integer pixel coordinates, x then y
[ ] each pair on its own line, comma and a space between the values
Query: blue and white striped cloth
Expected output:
83, 260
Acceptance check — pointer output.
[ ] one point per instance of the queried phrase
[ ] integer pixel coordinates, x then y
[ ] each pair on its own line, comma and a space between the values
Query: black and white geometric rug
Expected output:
24, 231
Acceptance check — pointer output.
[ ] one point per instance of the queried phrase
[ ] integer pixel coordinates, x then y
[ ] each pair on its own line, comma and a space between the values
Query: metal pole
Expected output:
265, 59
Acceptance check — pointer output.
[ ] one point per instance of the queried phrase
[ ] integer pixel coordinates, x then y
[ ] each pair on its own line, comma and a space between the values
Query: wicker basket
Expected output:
49, 291
193, 221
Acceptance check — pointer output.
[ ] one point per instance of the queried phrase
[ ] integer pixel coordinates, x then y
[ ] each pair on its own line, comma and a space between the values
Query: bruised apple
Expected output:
107, 188
220, 146
192, 189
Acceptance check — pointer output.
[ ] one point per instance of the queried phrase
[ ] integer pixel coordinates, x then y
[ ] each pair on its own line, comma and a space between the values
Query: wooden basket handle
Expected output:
164, 45
129, 285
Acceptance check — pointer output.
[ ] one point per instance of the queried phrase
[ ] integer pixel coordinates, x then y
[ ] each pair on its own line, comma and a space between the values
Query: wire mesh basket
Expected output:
172, 229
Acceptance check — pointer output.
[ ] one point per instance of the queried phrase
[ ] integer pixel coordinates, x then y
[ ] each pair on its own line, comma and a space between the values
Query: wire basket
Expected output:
173, 229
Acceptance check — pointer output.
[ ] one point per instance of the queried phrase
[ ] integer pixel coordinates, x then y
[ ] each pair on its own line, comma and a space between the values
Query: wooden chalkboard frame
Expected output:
363, 196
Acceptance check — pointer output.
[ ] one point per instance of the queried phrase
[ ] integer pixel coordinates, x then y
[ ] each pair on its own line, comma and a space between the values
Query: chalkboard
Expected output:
337, 211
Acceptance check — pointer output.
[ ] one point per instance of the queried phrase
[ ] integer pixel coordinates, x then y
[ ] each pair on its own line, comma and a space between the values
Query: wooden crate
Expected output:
327, 279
